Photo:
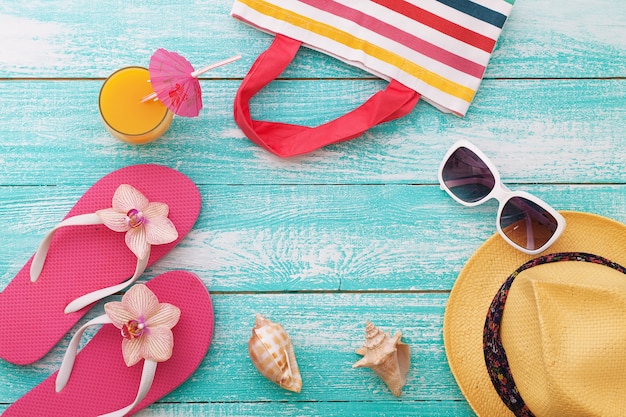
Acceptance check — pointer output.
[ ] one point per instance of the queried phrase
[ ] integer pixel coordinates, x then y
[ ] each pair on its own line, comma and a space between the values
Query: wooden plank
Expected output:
313, 408
325, 329
561, 38
547, 131
310, 238
309, 409
565, 39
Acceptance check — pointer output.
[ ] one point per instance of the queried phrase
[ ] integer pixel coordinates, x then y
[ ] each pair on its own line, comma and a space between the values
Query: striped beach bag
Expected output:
436, 50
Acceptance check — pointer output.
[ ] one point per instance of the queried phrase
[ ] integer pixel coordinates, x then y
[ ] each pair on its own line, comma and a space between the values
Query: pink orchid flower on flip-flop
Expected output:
144, 223
145, 325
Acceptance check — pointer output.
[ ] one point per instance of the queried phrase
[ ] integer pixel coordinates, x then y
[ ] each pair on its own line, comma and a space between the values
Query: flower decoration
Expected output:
145, 325
144, 223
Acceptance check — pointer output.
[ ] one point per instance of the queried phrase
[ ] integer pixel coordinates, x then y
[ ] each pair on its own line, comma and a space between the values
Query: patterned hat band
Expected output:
495, 355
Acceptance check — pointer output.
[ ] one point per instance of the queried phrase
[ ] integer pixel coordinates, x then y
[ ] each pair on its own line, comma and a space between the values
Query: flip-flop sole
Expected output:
83, 259
101, 382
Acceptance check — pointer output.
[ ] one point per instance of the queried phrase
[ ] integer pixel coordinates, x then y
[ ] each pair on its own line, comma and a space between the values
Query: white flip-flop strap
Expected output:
70, 354
40, 258
147, 377
147, 373
97, 295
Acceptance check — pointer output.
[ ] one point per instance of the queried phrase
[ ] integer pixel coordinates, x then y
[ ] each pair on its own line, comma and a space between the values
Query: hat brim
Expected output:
478, 283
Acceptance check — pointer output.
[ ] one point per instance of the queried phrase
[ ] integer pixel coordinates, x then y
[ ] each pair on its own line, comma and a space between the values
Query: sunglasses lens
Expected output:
467, 176
527, 224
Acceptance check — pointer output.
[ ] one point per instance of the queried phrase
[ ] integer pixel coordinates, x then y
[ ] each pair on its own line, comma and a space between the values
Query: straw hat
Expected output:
563, 325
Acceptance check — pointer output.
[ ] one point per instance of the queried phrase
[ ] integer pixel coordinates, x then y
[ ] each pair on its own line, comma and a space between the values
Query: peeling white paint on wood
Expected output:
321, 242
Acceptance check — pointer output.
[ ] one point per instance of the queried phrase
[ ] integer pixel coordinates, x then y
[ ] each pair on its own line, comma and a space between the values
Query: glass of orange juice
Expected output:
123, 113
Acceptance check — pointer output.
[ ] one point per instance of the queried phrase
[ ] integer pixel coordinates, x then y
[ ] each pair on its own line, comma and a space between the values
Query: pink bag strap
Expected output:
284, 139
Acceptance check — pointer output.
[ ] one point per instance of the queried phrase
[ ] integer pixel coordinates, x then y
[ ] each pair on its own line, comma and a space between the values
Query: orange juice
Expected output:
123, 113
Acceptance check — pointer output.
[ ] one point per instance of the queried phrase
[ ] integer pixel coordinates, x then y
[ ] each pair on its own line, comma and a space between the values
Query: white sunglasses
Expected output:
526, 222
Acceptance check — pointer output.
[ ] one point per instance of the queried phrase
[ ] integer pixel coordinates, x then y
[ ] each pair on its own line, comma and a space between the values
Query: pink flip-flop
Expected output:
89, 256
98, 381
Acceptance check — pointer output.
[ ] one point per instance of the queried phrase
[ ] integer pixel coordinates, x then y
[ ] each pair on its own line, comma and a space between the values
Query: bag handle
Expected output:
284, 139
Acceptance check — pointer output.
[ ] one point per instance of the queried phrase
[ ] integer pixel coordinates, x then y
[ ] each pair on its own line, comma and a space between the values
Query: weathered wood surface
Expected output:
321, 242
534, 130
80, 38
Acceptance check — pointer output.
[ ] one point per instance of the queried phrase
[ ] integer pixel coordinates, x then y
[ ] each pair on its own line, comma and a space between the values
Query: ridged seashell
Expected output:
385, 355
271, 352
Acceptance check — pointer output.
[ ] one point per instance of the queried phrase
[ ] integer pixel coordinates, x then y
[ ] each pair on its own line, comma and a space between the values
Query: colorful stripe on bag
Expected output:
440, 48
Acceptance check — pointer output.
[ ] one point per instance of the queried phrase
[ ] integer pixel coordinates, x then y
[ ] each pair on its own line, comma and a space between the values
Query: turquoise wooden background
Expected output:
322, 242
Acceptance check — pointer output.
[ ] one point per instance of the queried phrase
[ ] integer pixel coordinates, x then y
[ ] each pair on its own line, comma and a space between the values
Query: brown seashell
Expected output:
385, 355
271, 352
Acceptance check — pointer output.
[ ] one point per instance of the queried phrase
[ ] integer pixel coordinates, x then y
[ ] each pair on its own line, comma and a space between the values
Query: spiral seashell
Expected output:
387, 356
271, 352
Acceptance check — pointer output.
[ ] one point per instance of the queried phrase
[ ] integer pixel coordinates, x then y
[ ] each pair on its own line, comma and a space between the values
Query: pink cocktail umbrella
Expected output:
175, 82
